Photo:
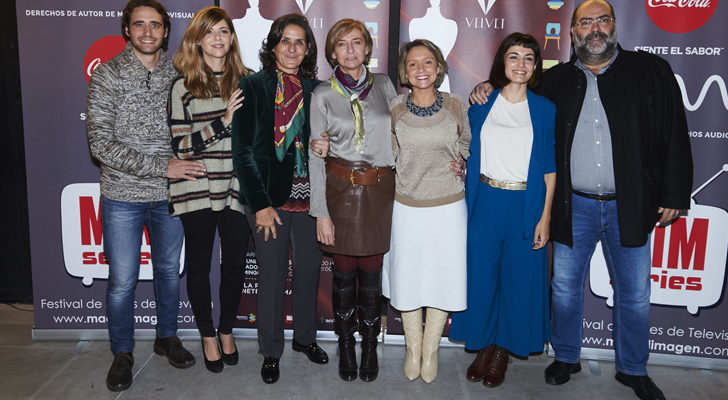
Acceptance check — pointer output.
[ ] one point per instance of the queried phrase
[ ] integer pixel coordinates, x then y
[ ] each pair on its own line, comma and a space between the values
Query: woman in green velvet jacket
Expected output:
270, 147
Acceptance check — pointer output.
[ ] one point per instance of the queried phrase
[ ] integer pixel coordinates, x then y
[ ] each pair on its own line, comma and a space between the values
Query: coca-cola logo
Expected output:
680, 16
100, 52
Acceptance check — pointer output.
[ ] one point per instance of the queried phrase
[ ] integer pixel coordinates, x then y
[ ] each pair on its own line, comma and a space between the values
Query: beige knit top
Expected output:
424, 147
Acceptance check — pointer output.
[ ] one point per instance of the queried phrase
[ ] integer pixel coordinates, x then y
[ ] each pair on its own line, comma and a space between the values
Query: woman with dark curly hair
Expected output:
270, 154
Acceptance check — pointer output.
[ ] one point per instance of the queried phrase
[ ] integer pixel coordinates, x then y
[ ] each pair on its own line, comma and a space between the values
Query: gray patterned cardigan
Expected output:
126, 126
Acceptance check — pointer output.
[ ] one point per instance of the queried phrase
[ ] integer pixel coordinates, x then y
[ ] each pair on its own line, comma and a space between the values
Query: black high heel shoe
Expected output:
229, 359
212, 366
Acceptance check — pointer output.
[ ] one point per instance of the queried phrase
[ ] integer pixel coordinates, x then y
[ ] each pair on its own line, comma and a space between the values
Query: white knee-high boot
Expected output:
412, 324
434, 324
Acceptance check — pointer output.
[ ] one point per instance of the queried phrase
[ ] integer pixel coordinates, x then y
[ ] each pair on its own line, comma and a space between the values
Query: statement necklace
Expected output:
430, 110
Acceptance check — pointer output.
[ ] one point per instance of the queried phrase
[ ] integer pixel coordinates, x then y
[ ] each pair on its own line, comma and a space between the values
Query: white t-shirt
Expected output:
505, 141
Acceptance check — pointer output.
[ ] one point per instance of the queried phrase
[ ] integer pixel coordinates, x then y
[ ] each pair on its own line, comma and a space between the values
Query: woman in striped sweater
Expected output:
200, 109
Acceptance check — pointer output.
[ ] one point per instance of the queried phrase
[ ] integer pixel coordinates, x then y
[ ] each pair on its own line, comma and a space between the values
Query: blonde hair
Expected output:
341, 29
199, 78
402, 67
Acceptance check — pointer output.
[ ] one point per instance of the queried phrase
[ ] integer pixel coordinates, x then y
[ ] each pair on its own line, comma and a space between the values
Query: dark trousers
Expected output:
200, 229
297, 234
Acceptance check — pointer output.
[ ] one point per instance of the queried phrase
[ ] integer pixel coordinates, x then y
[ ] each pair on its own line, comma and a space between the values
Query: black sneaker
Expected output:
119, 377
171, 348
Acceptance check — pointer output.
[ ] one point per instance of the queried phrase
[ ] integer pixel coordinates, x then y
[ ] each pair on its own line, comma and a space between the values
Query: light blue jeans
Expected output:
123, 226
629, 270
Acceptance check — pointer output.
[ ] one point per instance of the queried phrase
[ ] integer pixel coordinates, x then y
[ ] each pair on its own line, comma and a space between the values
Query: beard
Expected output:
595, 54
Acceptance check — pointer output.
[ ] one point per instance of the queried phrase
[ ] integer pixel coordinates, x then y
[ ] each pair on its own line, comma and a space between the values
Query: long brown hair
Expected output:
199, 78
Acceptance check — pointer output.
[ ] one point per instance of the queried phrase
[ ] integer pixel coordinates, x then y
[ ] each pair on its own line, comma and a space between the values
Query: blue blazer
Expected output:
541, 162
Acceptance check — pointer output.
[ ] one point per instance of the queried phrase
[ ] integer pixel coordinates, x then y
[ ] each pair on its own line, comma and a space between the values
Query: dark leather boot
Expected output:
344, 303
476, 370
495, 372
370, 321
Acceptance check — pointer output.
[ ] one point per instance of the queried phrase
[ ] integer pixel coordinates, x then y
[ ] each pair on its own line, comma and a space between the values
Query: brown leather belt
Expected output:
357, 176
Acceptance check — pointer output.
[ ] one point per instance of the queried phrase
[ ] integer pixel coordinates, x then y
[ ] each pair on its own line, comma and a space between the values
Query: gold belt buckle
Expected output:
351, 177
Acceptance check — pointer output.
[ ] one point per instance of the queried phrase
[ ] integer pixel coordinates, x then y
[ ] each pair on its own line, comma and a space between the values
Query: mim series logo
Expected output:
680, 16
83, 248
688, 258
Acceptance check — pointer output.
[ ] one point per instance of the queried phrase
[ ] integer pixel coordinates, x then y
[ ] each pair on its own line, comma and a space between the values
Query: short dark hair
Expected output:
498, 77
132, 4
573, 15
268, 58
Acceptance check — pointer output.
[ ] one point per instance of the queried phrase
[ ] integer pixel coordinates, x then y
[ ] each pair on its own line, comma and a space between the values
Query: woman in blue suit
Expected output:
509, 189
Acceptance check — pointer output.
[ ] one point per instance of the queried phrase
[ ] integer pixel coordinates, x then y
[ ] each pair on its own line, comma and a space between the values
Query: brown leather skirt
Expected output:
361, 213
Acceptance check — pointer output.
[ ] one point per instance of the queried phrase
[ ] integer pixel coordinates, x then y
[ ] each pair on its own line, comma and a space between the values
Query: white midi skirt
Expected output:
426, 262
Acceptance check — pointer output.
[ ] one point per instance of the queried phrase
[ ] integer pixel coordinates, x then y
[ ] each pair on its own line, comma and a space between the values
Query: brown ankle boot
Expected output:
476, 370
495, 373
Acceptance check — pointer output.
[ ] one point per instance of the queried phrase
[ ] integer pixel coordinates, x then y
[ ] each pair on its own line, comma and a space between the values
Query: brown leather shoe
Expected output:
495, 373
476, 370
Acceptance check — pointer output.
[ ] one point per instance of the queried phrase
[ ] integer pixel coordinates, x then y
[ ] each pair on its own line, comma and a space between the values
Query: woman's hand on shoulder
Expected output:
480, 93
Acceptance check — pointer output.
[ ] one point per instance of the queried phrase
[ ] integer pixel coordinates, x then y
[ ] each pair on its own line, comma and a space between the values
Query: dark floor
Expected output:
77, 370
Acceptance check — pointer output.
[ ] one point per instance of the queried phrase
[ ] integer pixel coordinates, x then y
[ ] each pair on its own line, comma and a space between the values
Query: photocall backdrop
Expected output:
689, 324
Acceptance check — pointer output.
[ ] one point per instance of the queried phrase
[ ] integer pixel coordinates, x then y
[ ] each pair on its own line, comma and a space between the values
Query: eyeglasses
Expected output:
603, 21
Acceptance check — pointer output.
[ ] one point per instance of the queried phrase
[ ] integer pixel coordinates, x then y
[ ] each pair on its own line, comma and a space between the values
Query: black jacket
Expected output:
650, 144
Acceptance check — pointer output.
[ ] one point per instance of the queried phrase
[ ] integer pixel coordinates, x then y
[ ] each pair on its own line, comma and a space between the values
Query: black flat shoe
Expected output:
229, 359
270, 371
212, 366
120, 377
642, 385
312, 351
559, 372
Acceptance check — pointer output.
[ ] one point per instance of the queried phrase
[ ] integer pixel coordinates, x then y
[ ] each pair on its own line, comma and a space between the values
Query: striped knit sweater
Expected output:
199, 133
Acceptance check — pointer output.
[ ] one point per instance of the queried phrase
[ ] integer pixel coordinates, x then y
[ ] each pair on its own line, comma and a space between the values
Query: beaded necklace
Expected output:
430, 110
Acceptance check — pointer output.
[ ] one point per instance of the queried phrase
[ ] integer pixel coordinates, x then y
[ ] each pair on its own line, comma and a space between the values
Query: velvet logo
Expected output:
100, 52
680, 16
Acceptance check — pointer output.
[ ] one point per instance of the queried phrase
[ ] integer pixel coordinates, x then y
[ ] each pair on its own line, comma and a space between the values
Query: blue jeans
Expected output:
629, 270
123, 226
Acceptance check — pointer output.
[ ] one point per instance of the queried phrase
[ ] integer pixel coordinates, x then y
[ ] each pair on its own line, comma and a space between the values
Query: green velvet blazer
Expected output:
264, 181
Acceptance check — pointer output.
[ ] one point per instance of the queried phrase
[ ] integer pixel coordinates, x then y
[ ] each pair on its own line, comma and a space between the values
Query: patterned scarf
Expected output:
345, 85
289, 118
